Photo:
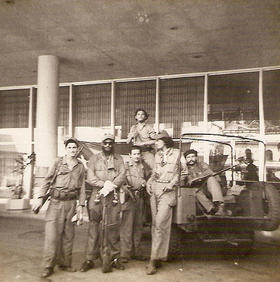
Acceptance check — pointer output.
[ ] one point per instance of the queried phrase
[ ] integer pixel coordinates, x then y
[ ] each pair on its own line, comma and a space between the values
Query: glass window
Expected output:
14, 108
233, 104
129, 96
181, 104
271, 101
63, 106
91, 111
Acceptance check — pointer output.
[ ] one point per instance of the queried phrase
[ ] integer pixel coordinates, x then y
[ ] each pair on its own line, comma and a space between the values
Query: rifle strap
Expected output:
57, 167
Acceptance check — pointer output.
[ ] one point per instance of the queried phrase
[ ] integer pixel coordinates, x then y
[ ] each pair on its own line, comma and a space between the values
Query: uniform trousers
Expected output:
213, 188
131, 226
95, 227
162, 204
59, 233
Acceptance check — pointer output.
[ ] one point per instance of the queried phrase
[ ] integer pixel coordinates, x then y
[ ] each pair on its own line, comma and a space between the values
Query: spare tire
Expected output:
271, 208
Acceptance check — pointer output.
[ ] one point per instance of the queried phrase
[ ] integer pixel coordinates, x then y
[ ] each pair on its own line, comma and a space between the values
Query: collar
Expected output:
132, 163
64, 160
141, 124
169, 151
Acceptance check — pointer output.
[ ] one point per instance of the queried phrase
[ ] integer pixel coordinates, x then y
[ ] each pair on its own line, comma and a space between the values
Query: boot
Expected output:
67, 268
48, 271
87, 265
117, 264
220, 209
151, 267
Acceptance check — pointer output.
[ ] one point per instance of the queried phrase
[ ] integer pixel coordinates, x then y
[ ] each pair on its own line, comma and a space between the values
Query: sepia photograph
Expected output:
140, 140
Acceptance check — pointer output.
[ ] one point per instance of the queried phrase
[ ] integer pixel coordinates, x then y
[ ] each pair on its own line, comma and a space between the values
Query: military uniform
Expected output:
142, 135
68, 186
133, 208
165, 174
211, 186
101, 169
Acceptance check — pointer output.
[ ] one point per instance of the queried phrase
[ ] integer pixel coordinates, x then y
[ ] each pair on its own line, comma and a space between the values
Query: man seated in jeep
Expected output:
198, 174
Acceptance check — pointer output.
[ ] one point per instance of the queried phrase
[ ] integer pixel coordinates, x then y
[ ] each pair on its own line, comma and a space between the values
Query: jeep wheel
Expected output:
271, 208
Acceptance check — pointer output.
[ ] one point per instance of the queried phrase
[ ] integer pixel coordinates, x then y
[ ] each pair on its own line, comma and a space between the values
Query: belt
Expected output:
63, 195
162, 181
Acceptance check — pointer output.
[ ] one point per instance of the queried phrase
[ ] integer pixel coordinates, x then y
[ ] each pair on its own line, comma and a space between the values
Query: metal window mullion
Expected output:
30, 118
262, 166
29, 183
205, 104
113, 84
70, 116
157, 105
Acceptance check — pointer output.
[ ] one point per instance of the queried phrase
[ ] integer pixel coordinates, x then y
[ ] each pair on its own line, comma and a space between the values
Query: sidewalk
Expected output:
22, 214
28, 214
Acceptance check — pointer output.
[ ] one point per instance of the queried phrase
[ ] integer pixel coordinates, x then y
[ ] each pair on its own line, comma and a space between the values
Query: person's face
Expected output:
191, 159
107, 145
135, 155
71, 149
140, 116
160, 144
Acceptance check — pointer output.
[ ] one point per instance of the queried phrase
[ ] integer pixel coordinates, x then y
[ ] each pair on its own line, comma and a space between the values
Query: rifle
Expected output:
105, 250
129, 186
48, 194
200, 179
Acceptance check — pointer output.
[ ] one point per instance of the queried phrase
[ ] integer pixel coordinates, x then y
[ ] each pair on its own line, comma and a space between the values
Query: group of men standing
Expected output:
116, 204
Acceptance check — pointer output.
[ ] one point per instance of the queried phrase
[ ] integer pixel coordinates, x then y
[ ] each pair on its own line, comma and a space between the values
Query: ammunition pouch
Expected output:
94, 215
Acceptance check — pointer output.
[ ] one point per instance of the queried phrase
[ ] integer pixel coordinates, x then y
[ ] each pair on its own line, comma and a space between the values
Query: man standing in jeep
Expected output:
191, 175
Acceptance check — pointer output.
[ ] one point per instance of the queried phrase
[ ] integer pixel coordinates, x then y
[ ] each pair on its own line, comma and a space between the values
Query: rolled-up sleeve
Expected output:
48, 179
92, 179
82, 196
121, 177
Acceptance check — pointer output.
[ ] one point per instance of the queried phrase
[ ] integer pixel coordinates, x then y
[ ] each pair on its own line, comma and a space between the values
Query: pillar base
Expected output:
18, 204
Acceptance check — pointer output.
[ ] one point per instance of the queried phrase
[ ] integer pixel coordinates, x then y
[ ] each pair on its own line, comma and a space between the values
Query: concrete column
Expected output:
46, 119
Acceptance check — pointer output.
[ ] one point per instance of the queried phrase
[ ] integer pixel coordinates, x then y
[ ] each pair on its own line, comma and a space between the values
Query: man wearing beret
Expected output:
194, 170
65, 183
106, 174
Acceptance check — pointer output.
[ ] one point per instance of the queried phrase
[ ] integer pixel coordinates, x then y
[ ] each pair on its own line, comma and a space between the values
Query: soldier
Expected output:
66, 178
143, 135
106, 174
132, 205
194, 170
161, 186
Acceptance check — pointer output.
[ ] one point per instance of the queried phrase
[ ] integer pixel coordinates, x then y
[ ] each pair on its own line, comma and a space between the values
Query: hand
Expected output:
80, 215
83, 161
149, 189
130, 136
108, 187
167, 189
37, 203
125, 189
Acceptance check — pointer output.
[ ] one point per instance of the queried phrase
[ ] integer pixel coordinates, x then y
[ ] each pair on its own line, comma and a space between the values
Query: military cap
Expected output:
191, 151
71, 140
108, 136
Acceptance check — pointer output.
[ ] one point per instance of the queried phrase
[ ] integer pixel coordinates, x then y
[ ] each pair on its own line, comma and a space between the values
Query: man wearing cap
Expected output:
106, 174
161, 187
132, 205
65, 183
195, 170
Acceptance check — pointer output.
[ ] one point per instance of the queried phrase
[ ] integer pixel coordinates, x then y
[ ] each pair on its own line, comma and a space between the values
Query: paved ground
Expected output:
22, 235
